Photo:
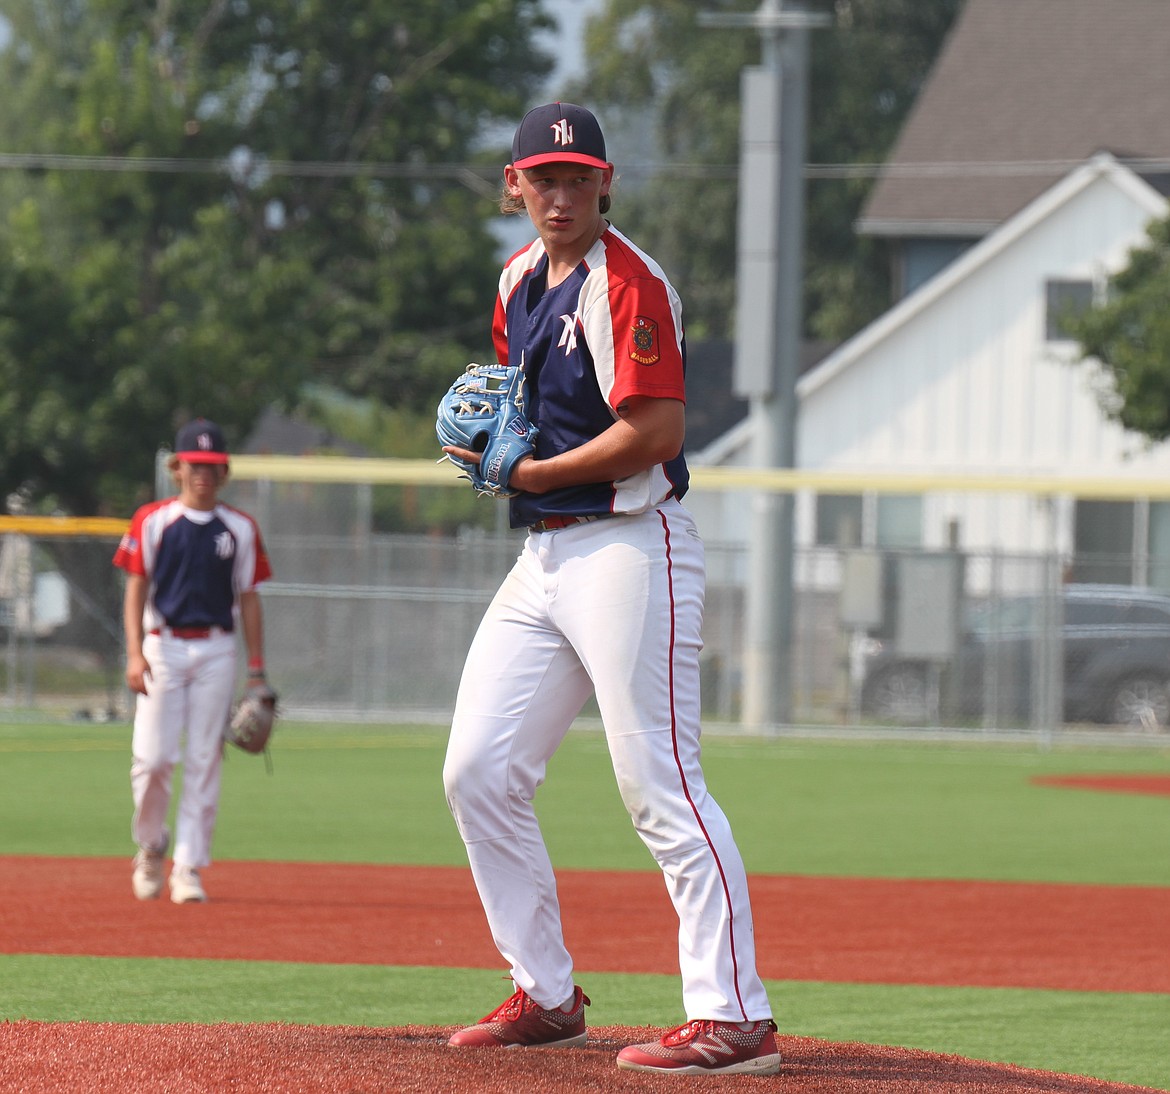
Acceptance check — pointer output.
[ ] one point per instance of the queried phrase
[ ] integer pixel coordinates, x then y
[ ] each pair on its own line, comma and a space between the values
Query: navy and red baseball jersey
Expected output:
197, 562
610, 330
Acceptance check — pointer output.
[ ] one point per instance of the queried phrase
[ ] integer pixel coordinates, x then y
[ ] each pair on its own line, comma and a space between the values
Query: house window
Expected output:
899, 520
839, 520
1122, 542
1103, 541
871, 520
1159, 546
1065, 300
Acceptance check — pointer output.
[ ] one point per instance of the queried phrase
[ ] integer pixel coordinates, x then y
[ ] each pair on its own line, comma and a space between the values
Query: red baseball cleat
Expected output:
522, 1023
706, 1048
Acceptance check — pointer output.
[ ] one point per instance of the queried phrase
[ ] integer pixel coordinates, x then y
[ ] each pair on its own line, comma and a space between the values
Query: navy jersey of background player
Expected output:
194, 563
610, 330
193, 573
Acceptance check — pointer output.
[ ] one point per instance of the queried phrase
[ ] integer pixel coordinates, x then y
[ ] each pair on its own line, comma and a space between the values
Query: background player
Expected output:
192, 567
606, 597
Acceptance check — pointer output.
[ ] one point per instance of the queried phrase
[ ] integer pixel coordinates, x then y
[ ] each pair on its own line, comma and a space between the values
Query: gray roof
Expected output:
1026, 89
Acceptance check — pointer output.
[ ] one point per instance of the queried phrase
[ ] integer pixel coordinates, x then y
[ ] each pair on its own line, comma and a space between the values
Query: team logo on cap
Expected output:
562, 132
204, 442
644, 341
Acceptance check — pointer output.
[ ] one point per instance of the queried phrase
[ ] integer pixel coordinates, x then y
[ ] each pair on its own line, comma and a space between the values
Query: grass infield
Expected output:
374, 795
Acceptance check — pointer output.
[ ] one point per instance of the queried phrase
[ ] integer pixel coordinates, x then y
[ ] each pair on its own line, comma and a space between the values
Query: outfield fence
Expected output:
373, 625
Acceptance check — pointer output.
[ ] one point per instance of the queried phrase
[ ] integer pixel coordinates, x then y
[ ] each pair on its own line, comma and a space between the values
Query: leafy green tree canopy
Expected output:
1129, 335
261, 202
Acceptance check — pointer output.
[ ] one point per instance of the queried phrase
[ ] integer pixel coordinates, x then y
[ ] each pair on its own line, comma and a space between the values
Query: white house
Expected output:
969, 375
1034, 159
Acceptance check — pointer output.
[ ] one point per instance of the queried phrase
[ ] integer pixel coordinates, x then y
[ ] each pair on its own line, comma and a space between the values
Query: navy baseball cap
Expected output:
201, 441
558, 133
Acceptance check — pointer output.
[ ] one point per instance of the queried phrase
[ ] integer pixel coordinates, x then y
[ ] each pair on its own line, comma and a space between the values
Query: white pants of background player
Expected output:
612, 607
181, 718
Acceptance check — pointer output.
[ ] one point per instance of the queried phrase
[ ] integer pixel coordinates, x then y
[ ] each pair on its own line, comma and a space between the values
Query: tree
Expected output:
330, 246
669, 90
1129, 335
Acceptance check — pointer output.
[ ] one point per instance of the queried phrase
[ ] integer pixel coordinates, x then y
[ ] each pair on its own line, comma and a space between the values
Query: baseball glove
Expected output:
483, 411
251, 724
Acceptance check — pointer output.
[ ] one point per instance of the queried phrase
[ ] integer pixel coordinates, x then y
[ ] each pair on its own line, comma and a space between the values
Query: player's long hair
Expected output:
510, 204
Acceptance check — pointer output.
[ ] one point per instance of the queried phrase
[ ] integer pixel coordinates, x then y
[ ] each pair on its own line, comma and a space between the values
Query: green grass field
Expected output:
374, 795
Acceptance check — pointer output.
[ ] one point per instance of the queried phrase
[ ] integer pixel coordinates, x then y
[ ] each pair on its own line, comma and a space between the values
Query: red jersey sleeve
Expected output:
128, 555
647, 352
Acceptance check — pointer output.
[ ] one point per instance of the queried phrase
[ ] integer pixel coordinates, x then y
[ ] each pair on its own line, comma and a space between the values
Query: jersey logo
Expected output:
644, 341
568, 338
225, 545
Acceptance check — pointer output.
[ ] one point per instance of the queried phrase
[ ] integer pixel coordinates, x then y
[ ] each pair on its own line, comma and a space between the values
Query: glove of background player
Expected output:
483, 411
253, 720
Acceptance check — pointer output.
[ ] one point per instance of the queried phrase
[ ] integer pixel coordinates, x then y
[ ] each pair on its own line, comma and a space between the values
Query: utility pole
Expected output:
769, 314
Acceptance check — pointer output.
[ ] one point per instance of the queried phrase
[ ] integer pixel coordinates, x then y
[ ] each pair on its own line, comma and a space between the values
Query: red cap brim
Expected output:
202, 457
560, 157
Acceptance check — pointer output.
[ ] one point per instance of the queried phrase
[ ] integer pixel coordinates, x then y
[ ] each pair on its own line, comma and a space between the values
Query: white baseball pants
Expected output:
190, 689
613, 607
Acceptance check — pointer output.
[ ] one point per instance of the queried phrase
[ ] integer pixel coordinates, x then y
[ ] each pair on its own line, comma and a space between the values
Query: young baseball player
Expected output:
606, 598
192, 569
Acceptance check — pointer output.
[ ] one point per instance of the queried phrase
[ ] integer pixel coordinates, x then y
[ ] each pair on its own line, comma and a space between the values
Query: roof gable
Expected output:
1102, 167
1024, 89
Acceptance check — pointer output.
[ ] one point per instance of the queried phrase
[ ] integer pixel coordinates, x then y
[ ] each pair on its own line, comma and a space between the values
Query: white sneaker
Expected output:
186, 888
147, 878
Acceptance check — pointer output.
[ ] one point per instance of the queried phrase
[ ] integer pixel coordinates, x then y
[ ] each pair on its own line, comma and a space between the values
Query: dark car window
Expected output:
1014, 614
1148, 613
1105, 613
1088, 613
998, 616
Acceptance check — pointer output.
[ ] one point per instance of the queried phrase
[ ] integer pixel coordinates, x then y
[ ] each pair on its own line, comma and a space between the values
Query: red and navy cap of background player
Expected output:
201, 441
558, 133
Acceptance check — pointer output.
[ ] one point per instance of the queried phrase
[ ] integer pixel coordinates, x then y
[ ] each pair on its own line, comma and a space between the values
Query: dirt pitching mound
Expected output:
104, 1058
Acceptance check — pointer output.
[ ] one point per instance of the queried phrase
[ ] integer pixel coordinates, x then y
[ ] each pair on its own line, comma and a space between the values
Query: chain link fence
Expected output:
364, 626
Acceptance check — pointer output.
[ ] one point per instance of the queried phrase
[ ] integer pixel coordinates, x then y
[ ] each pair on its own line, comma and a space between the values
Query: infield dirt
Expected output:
946, 933
1074, 937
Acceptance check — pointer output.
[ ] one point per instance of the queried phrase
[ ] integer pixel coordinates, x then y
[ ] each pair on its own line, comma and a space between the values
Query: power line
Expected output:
478, 175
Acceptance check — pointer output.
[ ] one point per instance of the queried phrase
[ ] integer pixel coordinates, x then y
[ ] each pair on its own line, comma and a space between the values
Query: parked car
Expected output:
1113, 642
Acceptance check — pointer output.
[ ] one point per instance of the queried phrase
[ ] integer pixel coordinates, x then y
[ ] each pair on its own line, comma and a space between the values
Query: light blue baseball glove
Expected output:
483, 411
